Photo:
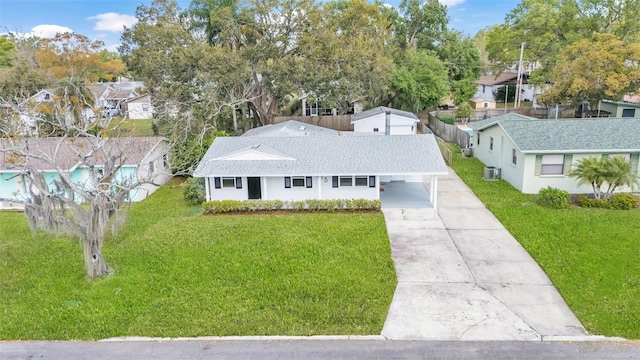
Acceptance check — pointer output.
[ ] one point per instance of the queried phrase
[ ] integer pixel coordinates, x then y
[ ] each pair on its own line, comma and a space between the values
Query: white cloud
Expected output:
112, 48
48, 31
451, 3
112, 21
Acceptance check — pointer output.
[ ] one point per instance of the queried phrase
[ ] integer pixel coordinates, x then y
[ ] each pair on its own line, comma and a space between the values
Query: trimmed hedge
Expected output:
616, 202
553, 198
227, 206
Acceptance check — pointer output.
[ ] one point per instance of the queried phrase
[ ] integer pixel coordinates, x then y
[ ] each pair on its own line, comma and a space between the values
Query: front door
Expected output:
253, 184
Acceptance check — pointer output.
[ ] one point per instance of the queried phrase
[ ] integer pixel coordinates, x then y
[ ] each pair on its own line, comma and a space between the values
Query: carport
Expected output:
405, 194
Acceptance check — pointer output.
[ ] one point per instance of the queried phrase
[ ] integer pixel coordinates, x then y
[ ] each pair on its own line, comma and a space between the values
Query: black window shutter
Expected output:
372, 181
309, 183
238, 183
287, 182
335, 181
217, 183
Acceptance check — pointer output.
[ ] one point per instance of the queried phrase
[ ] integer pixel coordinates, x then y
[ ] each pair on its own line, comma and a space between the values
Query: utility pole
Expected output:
519, 80
506, 95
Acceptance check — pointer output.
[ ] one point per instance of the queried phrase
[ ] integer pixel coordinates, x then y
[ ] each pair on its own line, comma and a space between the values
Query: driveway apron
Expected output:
462, 276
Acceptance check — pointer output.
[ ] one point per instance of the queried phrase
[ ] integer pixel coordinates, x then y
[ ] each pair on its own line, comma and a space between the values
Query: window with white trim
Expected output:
514, 157
346, 181
362, 181
297, 181
552, 164
228, 182
491, 143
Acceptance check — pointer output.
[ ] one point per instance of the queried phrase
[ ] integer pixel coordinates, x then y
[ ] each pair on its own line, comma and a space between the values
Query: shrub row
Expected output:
616, 202
226, 206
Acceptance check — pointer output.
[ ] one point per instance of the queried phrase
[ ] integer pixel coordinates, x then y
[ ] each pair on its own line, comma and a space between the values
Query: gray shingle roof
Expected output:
382, 110
570, 135
68, 153
326, 155
478, 125
290, 128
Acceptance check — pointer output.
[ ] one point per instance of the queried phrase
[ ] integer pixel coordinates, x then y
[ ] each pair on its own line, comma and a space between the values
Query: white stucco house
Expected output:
138, 107
302, 167
385, 121
532, 154
143, 159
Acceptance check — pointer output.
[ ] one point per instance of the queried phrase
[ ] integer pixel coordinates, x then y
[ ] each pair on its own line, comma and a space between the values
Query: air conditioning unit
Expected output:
491, 173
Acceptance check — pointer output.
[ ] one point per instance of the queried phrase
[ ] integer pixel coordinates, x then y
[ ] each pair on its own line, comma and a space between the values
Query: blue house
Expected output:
144, 159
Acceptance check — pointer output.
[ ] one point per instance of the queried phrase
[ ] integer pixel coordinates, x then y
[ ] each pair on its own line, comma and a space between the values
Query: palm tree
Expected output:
618, 173
591, 170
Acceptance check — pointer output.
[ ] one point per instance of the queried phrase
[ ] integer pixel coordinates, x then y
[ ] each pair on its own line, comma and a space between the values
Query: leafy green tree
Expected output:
420, 82
603, 67
462, 58
422, 24
7, 49
508, 91
546, 26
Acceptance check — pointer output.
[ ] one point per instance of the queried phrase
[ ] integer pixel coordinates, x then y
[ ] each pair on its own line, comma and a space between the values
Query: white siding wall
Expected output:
273, 189
349, 192
500, 156
277, 191
533, 183
400, 125
227, 193
139, 110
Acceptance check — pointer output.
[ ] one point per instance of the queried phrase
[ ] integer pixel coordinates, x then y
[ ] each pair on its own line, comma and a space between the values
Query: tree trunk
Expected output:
93, 261
235, 118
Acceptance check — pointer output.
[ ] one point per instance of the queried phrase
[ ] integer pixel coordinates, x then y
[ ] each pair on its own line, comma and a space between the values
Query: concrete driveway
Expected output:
462, 276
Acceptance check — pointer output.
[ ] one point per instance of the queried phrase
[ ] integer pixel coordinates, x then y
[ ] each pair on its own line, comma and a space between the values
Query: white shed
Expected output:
385, 121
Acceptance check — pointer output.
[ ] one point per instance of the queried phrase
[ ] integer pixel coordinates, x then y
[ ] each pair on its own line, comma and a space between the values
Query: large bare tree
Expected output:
79, 182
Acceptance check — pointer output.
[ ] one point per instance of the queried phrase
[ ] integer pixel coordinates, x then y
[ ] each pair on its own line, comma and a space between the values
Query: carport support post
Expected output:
207, 188
433, 192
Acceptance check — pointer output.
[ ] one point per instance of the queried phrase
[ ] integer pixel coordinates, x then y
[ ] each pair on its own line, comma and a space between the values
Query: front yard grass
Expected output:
131, 127
182, 274
591, 255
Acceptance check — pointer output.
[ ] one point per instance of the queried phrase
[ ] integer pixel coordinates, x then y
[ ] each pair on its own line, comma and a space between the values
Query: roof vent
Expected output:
255, 146
301, 128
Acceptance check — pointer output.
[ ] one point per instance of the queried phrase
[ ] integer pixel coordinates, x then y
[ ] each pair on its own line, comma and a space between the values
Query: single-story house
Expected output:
478, 103
532, 154
145, 158
290, 128
620, 108
138, 107
385, 121
316, 167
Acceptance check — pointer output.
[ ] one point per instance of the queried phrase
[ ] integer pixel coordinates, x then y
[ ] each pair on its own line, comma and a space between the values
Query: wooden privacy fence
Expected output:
447, 132
335, 122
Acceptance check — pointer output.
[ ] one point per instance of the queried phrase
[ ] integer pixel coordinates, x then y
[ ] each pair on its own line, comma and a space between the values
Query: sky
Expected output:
104, 19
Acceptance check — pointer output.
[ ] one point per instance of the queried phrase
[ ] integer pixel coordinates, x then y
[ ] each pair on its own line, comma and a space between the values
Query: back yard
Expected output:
179, 273
591, 255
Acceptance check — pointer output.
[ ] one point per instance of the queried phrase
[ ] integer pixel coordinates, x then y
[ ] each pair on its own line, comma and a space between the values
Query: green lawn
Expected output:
591, 255
141, 127
179, 273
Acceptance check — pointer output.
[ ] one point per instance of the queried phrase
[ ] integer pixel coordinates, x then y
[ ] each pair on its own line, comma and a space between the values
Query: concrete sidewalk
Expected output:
462, 276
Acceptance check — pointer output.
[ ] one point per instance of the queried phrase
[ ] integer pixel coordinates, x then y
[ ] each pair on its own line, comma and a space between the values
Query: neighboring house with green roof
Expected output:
532, 154
620, 108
